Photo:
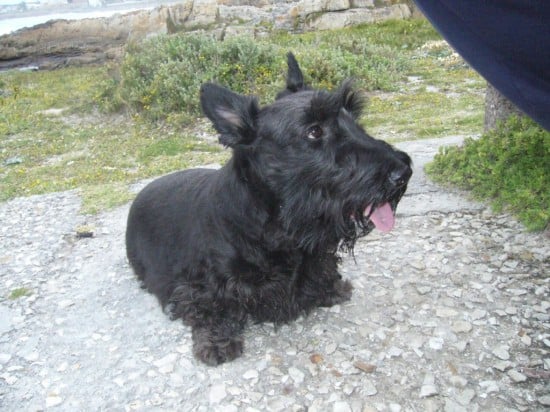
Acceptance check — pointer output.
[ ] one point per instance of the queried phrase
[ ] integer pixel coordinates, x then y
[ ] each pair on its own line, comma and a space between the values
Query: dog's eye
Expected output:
314, 132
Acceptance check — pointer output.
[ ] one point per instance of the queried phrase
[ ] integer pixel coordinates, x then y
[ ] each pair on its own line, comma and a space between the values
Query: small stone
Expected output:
296, 374
428, 387
395, 407
444, 312
255, 397
461, 326
489, 386
428, 390
517, 292
458, 381
453, 406
217, 393
63, 367
502, 365
32, 357
510, 310
423, 290
278, 404
478, 314
516, 376
166, 364
65, 303
417, 264
335, 309
526, 340
461, 345
486, 277
250, 374
544, 400
436, 343
368, 388
365, 367
466, 396
53, 400
316, 358
394, 352
176, 380
119, 381
348, 389
84, 231
234, 390
9, 379
501, 352
341, 406
4, 358
13, 161
331, 348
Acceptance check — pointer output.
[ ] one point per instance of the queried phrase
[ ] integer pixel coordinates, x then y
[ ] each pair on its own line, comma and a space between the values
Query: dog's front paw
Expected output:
214, 353
341, 292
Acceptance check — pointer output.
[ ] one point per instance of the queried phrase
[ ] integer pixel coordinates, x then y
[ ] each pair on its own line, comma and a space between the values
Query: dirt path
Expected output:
450, 312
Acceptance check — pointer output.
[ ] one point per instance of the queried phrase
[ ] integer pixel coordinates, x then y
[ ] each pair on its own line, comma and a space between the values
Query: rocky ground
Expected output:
450, 312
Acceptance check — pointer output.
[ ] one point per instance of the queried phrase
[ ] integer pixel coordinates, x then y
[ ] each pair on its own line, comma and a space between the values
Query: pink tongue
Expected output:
382, 217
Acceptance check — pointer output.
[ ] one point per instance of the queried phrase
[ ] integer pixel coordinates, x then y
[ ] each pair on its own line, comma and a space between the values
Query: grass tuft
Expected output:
19, 293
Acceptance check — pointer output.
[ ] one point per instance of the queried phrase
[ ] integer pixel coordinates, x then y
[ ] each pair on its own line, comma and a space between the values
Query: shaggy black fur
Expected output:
258, 239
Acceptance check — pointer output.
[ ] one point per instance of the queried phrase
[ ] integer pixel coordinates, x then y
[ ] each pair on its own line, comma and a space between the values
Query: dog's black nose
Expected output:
401, 176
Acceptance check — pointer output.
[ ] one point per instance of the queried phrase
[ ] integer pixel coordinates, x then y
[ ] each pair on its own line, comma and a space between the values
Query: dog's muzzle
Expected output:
383, 216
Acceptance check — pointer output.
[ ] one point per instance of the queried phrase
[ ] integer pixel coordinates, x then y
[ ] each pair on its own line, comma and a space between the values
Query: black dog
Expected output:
259, 238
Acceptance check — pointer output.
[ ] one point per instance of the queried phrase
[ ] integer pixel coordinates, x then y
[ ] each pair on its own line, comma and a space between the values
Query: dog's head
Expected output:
330, 180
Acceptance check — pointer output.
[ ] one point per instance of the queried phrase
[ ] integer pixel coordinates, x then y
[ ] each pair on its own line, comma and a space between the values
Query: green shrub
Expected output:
508, 165
161, 76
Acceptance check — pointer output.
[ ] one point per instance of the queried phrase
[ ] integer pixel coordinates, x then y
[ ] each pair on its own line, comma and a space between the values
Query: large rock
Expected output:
204, 14
60, 42
244, 14
353, 17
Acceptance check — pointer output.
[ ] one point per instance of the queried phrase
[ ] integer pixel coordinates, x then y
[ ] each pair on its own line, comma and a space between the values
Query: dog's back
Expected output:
160, 226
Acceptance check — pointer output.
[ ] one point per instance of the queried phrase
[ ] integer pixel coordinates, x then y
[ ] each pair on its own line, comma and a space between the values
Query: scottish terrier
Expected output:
259, 239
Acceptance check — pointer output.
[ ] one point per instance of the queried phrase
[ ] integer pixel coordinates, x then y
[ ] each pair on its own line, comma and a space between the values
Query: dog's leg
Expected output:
217, 344
321, 284
217, 323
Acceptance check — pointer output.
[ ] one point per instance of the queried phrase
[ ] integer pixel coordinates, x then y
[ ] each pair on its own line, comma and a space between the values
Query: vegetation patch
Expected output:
100, 128
19, 293
163, 75
508, 166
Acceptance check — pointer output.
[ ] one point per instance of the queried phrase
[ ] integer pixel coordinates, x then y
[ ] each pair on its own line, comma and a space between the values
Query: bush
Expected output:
508, 165
162, 76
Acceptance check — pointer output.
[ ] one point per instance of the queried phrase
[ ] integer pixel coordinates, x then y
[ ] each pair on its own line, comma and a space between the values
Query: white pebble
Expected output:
501, 352
250, 374
296, 374
217, 393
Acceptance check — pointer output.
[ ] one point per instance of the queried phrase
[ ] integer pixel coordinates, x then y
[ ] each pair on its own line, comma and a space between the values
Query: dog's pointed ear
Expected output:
352, 100
233, 115
294, 78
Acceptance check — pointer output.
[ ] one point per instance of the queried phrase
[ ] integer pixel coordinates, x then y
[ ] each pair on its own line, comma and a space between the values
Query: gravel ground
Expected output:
450, 312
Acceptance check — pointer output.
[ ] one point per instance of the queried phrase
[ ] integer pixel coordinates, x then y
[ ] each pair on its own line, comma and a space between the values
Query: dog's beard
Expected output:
337, 222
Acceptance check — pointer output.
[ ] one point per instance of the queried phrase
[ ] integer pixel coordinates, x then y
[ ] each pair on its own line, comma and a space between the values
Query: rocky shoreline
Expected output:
59, 43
